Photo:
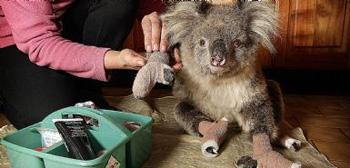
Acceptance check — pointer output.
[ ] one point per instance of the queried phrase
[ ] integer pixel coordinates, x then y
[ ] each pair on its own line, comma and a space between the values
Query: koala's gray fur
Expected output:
219, 78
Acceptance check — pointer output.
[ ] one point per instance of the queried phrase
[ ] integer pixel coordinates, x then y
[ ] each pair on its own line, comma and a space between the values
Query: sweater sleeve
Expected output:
35, 32
148, 6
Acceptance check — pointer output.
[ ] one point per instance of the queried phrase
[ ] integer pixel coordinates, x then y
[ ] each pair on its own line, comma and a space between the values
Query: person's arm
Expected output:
36, 34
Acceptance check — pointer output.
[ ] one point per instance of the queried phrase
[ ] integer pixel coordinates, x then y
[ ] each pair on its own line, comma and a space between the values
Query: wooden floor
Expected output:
325, 120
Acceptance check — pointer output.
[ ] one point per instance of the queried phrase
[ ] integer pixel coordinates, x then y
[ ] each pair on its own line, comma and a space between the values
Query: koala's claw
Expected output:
247, 162
211, 150
168, 76
291, 143
295, 146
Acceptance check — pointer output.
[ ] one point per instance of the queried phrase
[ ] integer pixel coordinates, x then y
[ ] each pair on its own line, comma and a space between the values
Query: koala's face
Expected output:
220, 43
221, 38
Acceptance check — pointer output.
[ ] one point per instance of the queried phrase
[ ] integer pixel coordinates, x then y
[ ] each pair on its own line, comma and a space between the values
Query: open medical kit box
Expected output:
108, 134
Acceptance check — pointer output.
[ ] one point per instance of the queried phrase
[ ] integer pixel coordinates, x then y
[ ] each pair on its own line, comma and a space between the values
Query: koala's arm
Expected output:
277, 101
180, 90
155, 71
259, 111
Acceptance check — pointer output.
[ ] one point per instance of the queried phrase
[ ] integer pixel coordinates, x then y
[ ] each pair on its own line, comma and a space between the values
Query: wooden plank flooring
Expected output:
326, 123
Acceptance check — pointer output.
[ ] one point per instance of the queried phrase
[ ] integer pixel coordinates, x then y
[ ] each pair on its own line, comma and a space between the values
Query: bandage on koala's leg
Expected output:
189, 117
266, 156
214, 134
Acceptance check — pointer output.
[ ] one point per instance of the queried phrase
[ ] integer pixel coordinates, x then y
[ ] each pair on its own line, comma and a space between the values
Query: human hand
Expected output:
154, 33
177, 64
124, 59
155, 37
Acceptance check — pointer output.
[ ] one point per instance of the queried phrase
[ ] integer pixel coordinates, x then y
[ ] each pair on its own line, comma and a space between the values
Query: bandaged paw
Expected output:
155, 71
266, 157
213, 135
272, 159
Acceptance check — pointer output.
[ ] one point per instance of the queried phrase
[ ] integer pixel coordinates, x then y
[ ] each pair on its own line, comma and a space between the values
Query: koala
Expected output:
218, 47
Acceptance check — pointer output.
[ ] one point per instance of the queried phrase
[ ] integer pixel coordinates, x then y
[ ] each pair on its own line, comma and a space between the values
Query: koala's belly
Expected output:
218, 101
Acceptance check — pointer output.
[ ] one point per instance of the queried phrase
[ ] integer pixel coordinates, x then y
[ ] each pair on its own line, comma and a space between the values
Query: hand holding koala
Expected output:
157, 69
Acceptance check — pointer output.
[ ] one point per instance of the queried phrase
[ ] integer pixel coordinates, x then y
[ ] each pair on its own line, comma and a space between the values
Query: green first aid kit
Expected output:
130, 148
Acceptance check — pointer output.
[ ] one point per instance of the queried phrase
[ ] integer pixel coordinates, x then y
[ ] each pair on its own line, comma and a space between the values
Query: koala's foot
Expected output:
290, 143
249, 162
213, 135
273, 159
246, 162
266, 157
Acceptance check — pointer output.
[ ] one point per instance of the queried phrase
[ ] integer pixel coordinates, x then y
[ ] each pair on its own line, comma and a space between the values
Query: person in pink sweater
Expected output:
54, 52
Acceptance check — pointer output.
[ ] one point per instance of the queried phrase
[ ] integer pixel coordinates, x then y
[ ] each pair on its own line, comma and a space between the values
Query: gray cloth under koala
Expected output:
173, 148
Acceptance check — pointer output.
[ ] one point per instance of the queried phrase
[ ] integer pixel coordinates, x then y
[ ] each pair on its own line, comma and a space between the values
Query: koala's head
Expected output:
220, 38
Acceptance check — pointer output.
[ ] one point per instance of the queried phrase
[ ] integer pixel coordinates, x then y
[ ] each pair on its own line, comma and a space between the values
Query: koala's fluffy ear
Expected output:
181, 18
262, 22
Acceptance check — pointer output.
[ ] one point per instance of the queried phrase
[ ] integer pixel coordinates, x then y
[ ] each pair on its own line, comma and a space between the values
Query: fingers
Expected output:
135, 60
177, 55
178, 65
124, 59
156, 28
154, 33
163, 39
147, 33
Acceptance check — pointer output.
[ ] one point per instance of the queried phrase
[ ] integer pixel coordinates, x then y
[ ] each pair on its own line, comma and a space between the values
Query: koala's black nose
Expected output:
219, 52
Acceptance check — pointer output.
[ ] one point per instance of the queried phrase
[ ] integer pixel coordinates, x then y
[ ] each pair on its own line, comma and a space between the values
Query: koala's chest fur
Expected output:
219, 98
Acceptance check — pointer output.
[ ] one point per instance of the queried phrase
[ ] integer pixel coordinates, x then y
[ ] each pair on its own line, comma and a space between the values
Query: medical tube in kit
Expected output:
76, 140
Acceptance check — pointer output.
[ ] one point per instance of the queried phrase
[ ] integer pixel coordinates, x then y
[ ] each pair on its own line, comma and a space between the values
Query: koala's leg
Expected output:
214, 133
263, 129
196, 123
189, 117
276, 98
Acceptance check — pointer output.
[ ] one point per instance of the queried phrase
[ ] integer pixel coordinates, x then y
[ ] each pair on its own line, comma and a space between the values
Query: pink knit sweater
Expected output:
32, 26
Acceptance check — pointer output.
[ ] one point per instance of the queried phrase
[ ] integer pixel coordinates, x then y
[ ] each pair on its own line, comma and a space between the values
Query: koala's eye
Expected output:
201, 42
237, 43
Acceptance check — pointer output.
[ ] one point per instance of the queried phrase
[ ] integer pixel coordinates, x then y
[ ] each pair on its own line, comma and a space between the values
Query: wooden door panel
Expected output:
318, 32
330, 23
317, 23
302, 22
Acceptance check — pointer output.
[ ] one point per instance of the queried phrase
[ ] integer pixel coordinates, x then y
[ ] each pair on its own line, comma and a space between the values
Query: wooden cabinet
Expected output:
315, 34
